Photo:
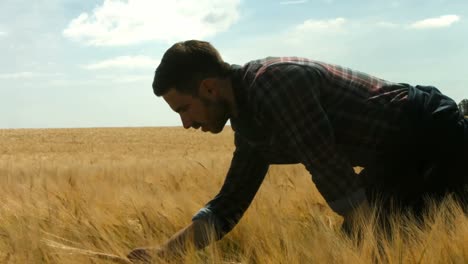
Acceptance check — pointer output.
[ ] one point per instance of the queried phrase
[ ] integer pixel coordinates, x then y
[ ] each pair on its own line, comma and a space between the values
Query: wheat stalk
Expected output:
90, 253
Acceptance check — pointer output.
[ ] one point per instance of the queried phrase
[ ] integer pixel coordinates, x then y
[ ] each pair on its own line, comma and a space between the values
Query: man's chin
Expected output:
216, 130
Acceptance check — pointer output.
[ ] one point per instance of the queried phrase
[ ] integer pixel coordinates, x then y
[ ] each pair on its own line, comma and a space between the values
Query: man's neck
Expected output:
228, 95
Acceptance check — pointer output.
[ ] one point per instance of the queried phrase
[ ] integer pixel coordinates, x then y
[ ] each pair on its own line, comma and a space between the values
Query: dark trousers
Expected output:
433, 163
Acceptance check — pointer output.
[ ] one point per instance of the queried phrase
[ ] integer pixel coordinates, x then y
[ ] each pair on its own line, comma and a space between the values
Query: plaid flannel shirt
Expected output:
294, 110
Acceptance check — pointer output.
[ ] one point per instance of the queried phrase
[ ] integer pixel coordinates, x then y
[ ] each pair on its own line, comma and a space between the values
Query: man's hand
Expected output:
196, 234
143, 255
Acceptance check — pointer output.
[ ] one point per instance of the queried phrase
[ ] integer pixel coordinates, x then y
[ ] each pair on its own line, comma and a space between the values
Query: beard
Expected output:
217, 113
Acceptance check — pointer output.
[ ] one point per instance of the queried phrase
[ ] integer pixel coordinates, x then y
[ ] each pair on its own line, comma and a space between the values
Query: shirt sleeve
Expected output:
245, 175
288, 96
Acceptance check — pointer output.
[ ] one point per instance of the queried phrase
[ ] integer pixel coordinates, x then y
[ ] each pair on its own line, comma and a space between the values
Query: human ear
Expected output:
208, 88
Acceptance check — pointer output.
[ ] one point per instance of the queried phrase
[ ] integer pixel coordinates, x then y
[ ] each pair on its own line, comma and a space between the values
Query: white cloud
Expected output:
2, 33
293, 2
128, 78
320, 39
127, 62
134, 21
314, 31
438, 22
385, 24
395, 4
26, 75
102, 80
17, 75
312, 25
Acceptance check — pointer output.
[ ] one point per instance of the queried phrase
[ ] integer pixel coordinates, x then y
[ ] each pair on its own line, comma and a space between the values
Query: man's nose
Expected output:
186, 122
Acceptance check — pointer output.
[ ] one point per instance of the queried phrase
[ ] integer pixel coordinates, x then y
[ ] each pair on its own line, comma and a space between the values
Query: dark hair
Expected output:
185, 65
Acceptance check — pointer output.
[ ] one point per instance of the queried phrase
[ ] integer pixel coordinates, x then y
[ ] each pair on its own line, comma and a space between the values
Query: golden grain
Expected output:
110, 190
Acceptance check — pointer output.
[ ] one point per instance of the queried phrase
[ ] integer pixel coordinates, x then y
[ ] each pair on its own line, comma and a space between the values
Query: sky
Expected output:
74, 63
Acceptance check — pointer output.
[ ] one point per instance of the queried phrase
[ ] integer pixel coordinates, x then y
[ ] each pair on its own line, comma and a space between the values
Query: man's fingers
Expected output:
139, 255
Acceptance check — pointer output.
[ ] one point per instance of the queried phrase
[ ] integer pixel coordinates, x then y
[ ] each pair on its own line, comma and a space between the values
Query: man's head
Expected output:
192, 79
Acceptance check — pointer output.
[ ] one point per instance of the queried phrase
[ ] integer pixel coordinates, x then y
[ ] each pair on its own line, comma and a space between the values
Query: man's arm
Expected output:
221, 214
289, 99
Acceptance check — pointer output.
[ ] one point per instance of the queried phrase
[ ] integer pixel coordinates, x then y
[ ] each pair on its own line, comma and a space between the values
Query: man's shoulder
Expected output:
264, 63
263, 80
259, 69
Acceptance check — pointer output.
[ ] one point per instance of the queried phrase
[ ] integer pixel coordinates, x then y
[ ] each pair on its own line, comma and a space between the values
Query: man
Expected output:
411, 141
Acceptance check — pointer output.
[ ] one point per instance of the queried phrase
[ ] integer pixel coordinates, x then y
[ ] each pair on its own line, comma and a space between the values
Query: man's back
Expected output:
366, 114
332, 118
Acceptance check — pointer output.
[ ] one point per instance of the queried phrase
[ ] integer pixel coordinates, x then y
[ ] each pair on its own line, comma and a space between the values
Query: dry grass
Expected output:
110, 190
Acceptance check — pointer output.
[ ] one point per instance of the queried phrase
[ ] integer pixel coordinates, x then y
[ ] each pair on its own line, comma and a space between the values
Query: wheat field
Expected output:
67, 193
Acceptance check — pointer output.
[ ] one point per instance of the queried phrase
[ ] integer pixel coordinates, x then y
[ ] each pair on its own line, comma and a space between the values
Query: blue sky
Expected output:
74, 63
